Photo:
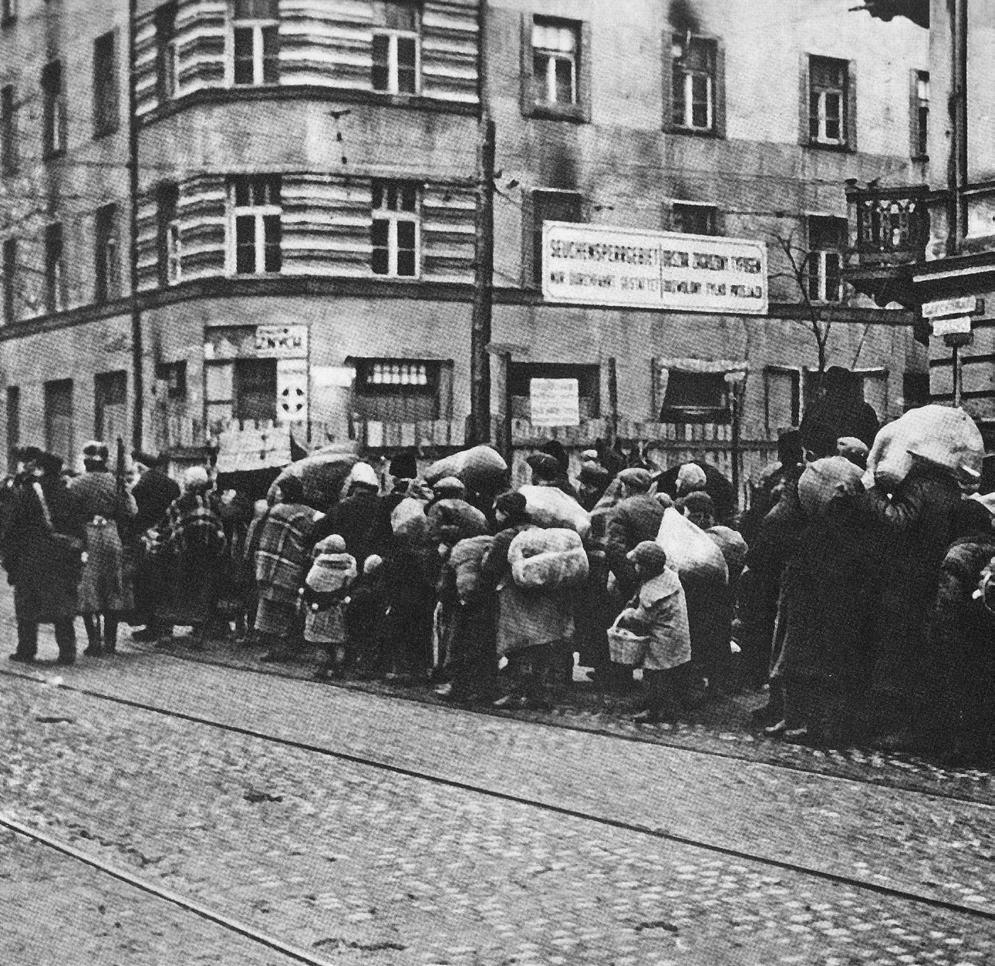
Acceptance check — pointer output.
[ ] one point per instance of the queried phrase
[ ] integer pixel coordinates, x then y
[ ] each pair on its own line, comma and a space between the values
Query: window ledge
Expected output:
577, 113
693, 131
834, 148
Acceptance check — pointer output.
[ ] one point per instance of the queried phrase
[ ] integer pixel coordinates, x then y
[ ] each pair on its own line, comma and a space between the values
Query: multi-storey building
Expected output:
307, 185
930, 243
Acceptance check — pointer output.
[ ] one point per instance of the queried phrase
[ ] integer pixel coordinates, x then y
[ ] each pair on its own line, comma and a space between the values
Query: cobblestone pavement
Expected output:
366, 866
56, 910
940, 847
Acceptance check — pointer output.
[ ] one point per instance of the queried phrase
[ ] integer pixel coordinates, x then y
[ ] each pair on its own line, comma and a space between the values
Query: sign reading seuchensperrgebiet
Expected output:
601, 265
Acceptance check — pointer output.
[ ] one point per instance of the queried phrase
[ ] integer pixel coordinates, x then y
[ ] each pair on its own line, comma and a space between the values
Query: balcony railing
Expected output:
892, 225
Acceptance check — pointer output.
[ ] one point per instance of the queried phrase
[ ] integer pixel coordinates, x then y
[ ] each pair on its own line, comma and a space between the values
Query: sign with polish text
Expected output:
554, 402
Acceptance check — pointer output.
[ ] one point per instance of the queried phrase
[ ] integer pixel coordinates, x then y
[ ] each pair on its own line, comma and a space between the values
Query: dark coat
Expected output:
840, 412
910, 534
631, 521
354, 519
716, 486
153, 494
45, 581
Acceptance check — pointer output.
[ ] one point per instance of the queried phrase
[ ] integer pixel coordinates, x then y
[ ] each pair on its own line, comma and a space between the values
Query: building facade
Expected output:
307, 190
930, 243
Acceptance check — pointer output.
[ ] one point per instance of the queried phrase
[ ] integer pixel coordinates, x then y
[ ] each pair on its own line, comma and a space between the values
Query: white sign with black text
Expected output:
554, 402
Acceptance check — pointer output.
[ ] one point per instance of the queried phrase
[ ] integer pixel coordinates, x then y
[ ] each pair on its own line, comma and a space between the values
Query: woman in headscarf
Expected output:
532, 626
282, 551
189, 547
104, 593
42, 543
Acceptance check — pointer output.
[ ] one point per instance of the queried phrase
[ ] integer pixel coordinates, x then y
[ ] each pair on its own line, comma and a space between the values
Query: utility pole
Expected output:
483, 280
137, 348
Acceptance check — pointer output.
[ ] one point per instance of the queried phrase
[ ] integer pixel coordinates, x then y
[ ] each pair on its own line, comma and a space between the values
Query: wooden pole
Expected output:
137, 347
612, 401
483, 289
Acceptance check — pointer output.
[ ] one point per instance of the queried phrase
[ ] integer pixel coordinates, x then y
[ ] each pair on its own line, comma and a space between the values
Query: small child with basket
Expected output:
324, 596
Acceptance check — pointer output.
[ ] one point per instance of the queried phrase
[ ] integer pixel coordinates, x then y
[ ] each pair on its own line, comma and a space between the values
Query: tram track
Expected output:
966, 909
656, 739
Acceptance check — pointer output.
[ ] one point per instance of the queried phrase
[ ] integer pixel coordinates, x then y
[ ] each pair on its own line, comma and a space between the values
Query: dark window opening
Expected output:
59, 418
692, 397
55, 280
521, 374
53, 109
550, 205
107, 247
692, 219
397, 390
255, 389
10, 280
13, 422
8, 130
174, 375
105, 84
110, 399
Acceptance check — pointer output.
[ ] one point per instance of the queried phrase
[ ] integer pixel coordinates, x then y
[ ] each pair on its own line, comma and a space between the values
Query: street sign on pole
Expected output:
962, 305
958, 326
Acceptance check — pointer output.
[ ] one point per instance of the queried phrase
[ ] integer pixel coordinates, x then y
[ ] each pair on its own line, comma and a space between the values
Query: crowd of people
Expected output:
869, 619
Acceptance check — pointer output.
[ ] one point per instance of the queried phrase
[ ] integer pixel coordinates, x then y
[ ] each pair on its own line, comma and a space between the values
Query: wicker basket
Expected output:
626, 647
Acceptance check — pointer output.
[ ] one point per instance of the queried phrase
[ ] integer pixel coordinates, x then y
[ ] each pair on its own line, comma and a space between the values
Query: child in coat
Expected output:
325, 595
364, 619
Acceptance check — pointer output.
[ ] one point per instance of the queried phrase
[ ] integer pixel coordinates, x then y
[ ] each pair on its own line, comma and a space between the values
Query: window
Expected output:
555, 53
55, 269
397, 390
691, 218
59, 418
826, 242
107, 252
53, 109
8, 130
105, 84
694, 80
255, 389
174, 375
13, 421
920, 114
255, 220
549, 205
110, 405
166, 53
170, 251
396, 229
255, 43
691, 397
521, 374
10, 280
396, 47
828, 97
8, 11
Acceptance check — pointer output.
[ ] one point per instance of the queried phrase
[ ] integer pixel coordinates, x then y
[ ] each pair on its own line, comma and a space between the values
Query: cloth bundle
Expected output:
826, 479
480, 468
549, 507
690, 550
466, 558
408, 520
733, 547
548, 559
450, 521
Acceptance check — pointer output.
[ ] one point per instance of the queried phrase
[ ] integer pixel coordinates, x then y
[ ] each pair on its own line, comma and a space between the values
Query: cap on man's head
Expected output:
691, 477
450, 486
650, 557
95, 451
403, 466
48, 463
511, 504
594, 475
362, 474
636, 478
543, 465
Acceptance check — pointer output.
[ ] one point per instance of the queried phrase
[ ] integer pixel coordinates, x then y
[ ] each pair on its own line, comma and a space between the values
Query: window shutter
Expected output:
526, 71
720, 89
851, 105
667, 88
803, 90
914, 114
585, 56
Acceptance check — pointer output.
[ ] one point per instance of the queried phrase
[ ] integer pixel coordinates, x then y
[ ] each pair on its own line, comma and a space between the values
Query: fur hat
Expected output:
543, 465
636, 479
650, 557
511, 504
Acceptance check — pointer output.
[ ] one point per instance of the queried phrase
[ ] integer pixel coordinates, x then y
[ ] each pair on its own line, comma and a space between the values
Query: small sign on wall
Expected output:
281, 341
554, 402
291, 391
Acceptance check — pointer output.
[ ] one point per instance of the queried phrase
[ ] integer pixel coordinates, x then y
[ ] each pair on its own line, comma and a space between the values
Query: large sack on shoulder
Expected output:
826, 479
408, 520
450, 521
549, 507
689, 549
943, 435
321, 474
480, 468
465, 559
733, 548
549, 559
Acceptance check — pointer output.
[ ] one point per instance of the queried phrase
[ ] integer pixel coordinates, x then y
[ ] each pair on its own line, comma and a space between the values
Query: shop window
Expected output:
396, 229
59, 418
53, 109
55, 269
254, 389
8, 129
105, 84
521, 374
174, 377
169, 247
396, 46
827, 238
107, 250
546, 205
694, 397
691, 218
255, 222
397, 390
9, 281
255, 43
919, 115
110, 401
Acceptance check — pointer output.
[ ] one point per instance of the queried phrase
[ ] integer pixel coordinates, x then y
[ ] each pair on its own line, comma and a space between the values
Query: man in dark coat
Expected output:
548, 471
635, 518
354, 518
841, 411
42, 545
153, 493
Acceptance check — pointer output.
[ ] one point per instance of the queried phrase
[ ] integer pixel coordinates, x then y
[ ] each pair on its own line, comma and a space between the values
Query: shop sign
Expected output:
554, 402
281, 341
958, 326
600, 265
962, 305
